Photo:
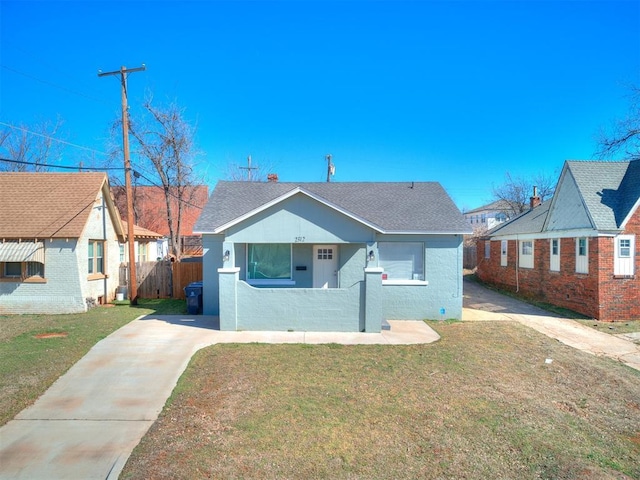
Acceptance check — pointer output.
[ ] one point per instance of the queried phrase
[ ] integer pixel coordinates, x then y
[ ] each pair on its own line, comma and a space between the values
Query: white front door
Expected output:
325, 266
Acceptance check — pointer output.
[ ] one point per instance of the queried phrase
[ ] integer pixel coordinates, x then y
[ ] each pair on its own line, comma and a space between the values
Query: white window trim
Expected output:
619, 261
582, 261
405, 282
526, 260
270, 281
554, 260
504, 253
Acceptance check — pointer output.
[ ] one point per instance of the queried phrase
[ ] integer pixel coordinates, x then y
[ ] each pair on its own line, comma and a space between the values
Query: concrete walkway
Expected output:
86, 425
481, 304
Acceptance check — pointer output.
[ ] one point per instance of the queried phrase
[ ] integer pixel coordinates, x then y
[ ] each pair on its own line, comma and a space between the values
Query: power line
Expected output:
47, 165
48, 137
153, 184
51, 84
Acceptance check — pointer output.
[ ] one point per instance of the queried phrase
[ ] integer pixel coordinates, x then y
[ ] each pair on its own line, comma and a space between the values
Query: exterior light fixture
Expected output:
372, 256
226, 256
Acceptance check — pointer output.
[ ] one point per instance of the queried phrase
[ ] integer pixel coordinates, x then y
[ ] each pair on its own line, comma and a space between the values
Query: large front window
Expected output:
96, 257
402, 260
269, 261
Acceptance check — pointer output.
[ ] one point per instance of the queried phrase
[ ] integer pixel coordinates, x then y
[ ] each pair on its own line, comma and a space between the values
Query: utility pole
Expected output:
248, 168
133, 286
331, 168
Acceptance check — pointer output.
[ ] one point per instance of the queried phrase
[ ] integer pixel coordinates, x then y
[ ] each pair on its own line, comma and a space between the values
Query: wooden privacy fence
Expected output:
470, 257
183, 274
163, 279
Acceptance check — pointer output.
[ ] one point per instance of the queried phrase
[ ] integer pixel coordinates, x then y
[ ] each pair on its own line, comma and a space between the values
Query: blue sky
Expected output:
456, 92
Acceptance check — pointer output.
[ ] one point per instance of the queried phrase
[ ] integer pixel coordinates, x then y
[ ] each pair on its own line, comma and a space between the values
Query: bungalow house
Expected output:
579, 249
148, 246
59, 235
330, 256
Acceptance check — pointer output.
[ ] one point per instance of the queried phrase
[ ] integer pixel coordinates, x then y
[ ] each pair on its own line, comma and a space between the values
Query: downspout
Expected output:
517, 263
104, 250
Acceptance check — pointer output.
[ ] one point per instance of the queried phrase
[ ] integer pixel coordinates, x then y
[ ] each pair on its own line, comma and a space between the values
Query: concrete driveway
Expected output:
482, 304
86, 425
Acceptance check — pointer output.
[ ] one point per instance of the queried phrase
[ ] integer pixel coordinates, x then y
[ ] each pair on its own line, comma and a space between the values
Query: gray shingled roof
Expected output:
609, 189
530, 221
390, 207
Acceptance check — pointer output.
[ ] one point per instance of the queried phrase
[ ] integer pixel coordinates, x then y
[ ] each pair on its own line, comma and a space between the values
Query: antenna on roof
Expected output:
331, 168
248, 168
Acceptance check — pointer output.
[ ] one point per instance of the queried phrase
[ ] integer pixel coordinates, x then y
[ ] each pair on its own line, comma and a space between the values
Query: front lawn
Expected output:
489, 400
37, 349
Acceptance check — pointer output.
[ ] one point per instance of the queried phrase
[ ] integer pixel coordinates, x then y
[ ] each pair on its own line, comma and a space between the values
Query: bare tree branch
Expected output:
35, 146
624, 136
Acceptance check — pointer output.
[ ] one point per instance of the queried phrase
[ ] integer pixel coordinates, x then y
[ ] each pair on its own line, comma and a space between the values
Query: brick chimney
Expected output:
535, 200
272, 177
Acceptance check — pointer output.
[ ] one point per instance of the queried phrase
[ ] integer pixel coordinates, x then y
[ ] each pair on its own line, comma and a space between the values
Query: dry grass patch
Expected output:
481, 403
36, 349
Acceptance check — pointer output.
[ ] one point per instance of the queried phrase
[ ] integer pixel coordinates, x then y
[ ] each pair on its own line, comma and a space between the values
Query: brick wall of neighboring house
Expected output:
620, 296
596, 294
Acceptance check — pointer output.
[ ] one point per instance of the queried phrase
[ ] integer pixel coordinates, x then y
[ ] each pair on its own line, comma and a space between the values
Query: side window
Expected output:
582, 255
402, 260
624, 255
504, 245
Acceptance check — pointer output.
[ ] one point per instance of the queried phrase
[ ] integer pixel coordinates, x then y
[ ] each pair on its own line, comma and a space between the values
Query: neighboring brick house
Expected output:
579, 250
150, 212
59, 235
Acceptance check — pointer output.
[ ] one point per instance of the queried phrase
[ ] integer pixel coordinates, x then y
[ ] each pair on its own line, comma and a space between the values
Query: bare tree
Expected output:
515, 192
624, 136
32, 148
165, 140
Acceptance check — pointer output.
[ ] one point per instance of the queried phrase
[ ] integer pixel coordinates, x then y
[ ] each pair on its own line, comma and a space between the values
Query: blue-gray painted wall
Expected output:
303, 222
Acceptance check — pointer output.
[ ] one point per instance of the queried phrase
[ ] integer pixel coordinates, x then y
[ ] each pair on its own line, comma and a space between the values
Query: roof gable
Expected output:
568, 210
51, 205
417, 207
591, 195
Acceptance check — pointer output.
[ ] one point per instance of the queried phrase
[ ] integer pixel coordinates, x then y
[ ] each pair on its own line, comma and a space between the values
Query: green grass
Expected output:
29, 365
480, 403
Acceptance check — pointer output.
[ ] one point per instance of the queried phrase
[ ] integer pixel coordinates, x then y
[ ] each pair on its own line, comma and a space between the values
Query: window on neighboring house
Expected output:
22, 270
504, 245
624, 255
96, 257
268, 262
484, 218
526, 254
142, 252
22, 261
487, 249
582, 255
122, 254
554, 258
401, 260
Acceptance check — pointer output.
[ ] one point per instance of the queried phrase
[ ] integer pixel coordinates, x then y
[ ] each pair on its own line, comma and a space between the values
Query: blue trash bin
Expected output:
193, 293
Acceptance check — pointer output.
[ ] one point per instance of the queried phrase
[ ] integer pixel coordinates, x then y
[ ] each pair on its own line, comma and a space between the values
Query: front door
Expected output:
325, 266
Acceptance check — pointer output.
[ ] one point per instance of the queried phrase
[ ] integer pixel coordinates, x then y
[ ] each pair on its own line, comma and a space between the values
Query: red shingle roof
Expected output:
150, 208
